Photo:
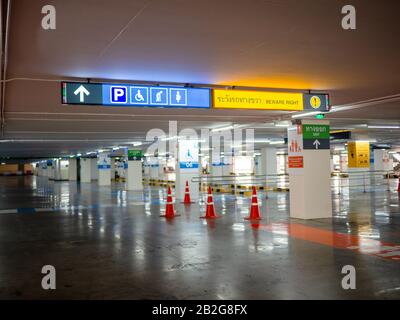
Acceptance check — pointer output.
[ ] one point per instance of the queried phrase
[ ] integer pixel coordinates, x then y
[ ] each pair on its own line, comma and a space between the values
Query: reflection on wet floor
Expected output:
110, 243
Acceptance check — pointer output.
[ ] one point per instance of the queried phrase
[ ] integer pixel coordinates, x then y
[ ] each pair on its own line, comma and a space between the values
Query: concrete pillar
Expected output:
309, 170
381, 160
257, 165
343, 162
43, 169
104, 169
268, 161
60, 170
187, 167
146, 168
153, 167
51, 169
72, 169
162, 163
227, 168
216, 165
125, 163
86, 170
57, 169
94, 170
112, 169
134, 176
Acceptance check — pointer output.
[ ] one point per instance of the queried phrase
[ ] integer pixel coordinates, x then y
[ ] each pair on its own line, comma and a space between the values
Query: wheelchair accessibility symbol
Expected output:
139, 95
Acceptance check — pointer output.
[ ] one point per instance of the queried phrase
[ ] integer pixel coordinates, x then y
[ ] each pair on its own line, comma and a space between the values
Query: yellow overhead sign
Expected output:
358, 154
240, 99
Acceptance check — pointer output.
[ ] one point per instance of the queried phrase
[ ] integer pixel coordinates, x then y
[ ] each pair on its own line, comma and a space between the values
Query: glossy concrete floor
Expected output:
106, 243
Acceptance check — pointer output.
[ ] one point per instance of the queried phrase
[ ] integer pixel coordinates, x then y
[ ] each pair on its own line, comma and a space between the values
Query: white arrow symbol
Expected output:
82, 91
316, 143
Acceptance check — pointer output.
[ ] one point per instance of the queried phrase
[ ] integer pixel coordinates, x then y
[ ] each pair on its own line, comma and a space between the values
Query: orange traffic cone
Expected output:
254, 209
186, 199
210, 211
169, 209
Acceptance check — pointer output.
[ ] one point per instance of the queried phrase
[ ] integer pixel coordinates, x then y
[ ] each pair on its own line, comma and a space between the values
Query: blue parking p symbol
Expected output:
118, 94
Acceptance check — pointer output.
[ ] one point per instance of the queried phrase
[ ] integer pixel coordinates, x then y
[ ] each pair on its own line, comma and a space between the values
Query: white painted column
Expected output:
162, 163
227, 168
93, 168
154, 168
104, 169
112, 169
268, 161
134, 176
86, 170
187, 167
343, 162
309, 173
44, 169
257, 165
125, 165
60, 170
51, 170
72, 170
381, 163
216, 165
57, 169
146, 168
381, 160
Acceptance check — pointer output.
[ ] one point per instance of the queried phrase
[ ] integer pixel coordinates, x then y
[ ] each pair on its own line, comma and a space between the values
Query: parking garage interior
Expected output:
272, 164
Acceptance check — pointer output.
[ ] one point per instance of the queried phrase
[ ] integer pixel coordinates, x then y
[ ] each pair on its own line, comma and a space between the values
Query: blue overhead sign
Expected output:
135, 95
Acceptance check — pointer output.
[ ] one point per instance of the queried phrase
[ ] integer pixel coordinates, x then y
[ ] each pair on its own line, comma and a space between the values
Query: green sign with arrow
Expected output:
315, 136
135, 155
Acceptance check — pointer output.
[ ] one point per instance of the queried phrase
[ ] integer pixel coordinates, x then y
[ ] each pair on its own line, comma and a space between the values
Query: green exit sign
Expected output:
135, 154
320, 116
315, 131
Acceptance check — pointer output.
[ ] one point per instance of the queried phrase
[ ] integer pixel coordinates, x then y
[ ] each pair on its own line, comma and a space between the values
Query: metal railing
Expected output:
241, 182
363, 180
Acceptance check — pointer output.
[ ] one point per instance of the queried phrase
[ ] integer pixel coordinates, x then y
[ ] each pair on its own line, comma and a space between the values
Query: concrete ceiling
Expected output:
273, 44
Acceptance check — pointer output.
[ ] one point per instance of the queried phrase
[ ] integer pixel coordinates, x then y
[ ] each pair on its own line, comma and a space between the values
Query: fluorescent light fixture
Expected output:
277, 142
306, 114
222, 129
339, 148
236, 126
188, 138
100, 150
168, 138
115, 148
383, 127
136, 144
282, 124
259, 141
79, 154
